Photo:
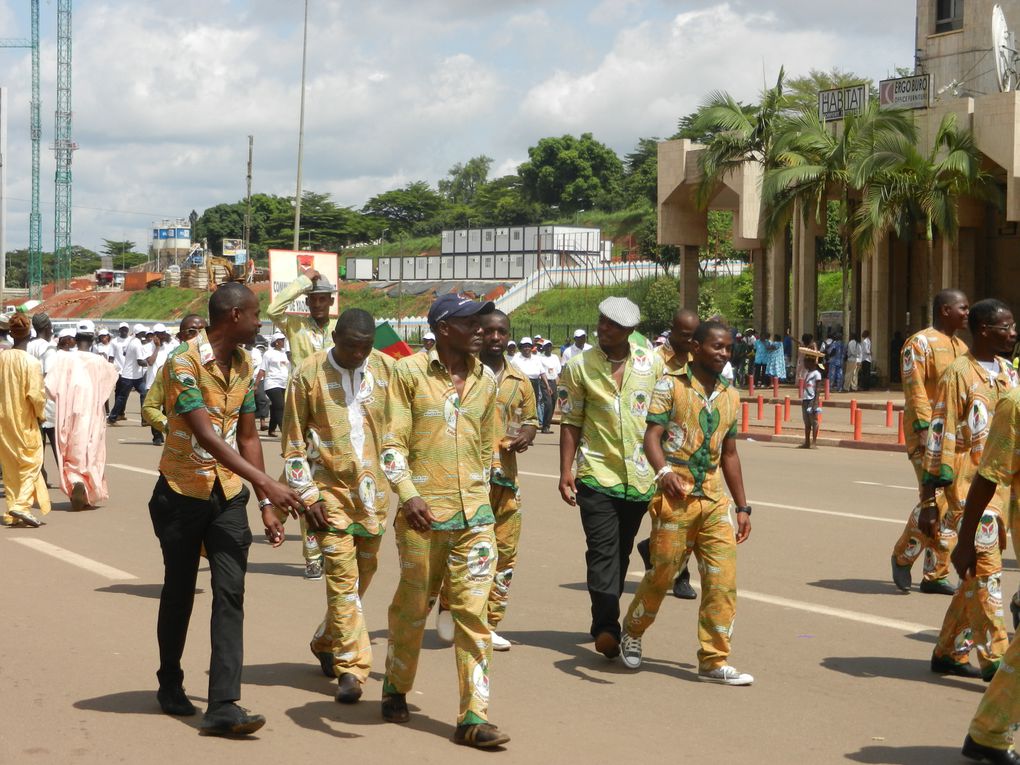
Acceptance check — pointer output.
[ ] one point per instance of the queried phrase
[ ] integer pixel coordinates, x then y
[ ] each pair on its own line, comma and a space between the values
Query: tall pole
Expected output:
247, 200
3, 196
64, 148
301, 135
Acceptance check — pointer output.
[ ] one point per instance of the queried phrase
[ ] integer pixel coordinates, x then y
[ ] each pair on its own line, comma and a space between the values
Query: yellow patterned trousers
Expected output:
467, 557
701, 526
912, 542
974, 617
507, 509
309, 542
349, 563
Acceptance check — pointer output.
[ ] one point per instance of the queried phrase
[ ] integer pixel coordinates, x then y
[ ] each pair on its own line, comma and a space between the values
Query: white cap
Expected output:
526, 341
428, 336
123, 325
278, 335
139, 328
104, 332
537, 338
513, 343
580, 333
159, 328
66, 332
86, 327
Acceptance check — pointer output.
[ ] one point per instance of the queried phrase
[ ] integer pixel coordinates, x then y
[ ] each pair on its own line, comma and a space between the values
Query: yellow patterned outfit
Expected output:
926, 356
21, 447
961, 412
999, 711
333, 424
439, 448
305, 337
696, 423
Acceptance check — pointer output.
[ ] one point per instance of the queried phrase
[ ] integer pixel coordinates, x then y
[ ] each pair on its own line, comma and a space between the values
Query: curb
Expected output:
845, 443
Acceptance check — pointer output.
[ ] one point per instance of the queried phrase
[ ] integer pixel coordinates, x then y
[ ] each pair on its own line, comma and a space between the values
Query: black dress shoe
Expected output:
972, 750
394, 708
230, 720
682, 586
943, 666
480, 736
937, 587
1014, 609
325, 661
349, 689
174, 701
901, 575
644, 550
607, 644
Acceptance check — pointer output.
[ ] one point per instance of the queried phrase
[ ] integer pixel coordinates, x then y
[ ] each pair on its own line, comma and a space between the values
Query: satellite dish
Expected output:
1003, 50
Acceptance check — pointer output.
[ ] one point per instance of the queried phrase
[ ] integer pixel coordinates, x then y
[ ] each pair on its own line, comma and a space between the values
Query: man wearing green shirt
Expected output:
604, 395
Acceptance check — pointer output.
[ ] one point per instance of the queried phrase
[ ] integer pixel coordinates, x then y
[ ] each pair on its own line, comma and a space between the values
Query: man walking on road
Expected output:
692, 428
333, 425
441, 414
962, 410
926, 355
604, 396
306, 335
199, 499
152, 409
132, 373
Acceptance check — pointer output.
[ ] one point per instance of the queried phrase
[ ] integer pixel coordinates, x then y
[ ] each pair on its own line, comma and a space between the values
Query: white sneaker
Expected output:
444, 625
630, 651
726, 675
500, 643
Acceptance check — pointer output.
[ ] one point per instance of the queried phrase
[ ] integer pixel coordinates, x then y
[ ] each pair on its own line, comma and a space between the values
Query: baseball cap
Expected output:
277, 336
123, 325
513, 343
66, 332
526, 341
140, 328
103, 332
159, 328
86, 327
453, 306
580, 333
428, 336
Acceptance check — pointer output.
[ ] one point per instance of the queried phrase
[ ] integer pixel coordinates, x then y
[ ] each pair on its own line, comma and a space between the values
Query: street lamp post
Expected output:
301, 134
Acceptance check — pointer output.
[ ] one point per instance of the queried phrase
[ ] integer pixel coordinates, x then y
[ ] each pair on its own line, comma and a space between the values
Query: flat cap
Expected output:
621, 310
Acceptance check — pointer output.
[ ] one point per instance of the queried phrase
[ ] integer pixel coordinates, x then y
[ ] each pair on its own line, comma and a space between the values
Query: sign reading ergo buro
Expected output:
837, 103
905, 92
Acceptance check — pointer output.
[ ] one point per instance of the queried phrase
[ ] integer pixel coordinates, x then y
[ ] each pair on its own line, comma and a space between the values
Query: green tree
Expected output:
802, 92
646, 237
572, 174
116, 249
225, 220
413, 210
501, 202
464, 180
641, 166
661, 301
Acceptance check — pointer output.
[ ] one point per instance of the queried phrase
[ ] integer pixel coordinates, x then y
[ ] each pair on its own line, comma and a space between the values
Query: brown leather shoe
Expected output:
607, 644
394, 708
348, 689
480, 736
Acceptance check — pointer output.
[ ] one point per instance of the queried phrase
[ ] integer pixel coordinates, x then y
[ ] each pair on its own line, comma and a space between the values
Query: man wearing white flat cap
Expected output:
137, 356
604, 395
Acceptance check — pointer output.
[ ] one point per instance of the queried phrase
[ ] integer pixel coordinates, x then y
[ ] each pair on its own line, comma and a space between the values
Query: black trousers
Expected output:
182, 524
865, 376
610, 526
550, 404
276, 399
123, 391
261, 401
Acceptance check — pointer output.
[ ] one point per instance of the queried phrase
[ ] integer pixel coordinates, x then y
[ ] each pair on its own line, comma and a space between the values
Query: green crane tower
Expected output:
34, 217
64, 148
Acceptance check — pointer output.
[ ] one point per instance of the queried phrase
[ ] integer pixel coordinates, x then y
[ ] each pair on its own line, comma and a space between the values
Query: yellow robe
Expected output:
21, 448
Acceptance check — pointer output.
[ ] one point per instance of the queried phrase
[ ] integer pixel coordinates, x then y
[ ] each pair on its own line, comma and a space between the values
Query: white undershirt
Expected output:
352, 379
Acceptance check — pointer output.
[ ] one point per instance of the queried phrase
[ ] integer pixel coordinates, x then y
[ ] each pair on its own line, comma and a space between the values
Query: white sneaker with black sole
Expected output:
500, 643
630, 651
726, 675
444, 625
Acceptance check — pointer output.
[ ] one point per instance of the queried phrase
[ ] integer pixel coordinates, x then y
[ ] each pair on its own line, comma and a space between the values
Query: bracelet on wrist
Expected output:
264, 503
662, 471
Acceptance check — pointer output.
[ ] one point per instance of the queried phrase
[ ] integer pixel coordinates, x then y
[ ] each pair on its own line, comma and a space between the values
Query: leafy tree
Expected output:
115, 248
501, 202
640, 184
646, 236
412, 210
465, 180
802, 92
661, 301
225, 220
572, 173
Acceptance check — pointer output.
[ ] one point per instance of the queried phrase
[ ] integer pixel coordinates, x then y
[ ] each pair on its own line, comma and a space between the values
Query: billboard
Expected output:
837, 103
235, 251
905, 92
284, 267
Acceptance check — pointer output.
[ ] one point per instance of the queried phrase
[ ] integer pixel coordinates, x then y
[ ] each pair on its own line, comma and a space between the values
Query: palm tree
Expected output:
739, 135
815, 163
909, 190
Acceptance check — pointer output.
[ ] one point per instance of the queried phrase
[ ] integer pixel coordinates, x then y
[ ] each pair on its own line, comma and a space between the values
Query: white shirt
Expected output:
531, 367
866, 349
352, 381
573, 350
727, 372
119, 345
135, 352
103, 349
153, 369
42, 350
853, 351
811, 380
552, 366
256, 361
276, 365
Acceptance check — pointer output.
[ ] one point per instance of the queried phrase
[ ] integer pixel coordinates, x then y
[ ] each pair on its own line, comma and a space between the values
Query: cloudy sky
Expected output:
166, 92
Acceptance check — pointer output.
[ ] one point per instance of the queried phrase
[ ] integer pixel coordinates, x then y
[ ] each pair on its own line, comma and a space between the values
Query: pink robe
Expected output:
79, 383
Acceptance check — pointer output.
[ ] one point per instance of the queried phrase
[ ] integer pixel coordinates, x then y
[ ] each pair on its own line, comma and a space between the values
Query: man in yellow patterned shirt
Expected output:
691, 436
306, 335
441, 414
991, 731
333, 424
211, 444
926, 355
964, 401
604, 394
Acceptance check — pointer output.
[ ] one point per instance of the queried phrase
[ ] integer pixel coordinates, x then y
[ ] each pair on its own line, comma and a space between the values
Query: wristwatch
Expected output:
746, 509
264, 503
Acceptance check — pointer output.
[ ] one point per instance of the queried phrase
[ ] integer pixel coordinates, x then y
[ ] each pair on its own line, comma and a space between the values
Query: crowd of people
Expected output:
644, 429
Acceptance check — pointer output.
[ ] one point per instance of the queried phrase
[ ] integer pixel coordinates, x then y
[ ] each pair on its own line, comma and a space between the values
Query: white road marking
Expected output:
817, 511
817, 608
107, 572
132, 468
887, 485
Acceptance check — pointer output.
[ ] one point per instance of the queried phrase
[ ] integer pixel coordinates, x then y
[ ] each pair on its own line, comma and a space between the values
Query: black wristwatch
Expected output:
744, 509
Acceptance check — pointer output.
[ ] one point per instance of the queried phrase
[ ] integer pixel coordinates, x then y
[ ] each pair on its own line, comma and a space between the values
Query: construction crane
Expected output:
35, 217
64, 148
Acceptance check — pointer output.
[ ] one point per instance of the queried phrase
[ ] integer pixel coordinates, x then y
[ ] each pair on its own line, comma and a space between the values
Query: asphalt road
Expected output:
840, 657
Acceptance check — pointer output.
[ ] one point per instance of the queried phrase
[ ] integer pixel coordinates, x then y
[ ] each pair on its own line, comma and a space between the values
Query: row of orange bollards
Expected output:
782, 414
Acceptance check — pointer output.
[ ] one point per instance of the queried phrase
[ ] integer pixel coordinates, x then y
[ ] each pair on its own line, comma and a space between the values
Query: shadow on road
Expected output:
293, 674
897, 668
324, 716
906, 755
135, 703
139, 590
629, 586
277, 569
859, 586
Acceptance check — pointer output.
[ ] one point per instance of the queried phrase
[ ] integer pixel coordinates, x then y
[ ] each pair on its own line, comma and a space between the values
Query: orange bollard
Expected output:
778, 427
800, 388
858, 421
853, 410
744, 411
901, 437
819, 418
761, 408
888, 414
826, 389
750, 385
775, 387
786, 409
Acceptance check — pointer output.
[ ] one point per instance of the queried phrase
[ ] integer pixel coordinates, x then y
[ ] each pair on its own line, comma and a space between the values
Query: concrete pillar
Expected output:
966, 260
689, 277
804, 296
758, 273
778, 290
881, 315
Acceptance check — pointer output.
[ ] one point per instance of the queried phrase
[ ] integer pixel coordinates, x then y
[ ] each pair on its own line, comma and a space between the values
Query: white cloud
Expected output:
614, 11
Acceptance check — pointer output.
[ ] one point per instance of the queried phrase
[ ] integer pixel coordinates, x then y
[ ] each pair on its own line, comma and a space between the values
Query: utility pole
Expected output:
63, 148
247, 201
3, 196
301, 135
